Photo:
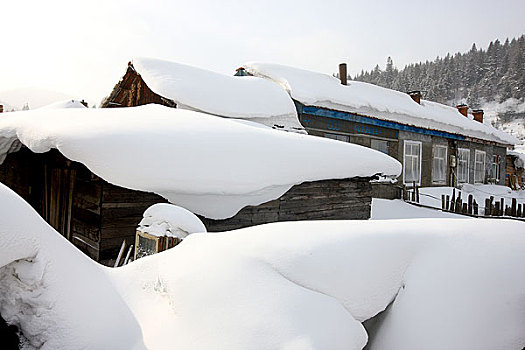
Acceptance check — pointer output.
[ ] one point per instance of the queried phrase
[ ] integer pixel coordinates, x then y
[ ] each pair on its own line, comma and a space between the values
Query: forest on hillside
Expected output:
477, 77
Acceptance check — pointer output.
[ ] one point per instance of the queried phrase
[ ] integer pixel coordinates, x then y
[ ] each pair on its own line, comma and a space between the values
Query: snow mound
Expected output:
223, 95
57, 296
454, 284
209, 165
65, 104
322, 90
164, 219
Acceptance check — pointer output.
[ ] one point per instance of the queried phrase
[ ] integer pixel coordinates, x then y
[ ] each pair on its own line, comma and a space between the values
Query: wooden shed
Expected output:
97, 216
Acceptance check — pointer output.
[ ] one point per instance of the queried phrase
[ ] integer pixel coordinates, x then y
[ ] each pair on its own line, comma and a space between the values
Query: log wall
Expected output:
97, 216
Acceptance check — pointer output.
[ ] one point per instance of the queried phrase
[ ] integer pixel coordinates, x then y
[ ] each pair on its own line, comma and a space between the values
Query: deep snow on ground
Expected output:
209, 165
383, 209
455, 284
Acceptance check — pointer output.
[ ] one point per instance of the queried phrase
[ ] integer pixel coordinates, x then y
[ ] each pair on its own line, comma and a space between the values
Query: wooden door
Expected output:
58, 198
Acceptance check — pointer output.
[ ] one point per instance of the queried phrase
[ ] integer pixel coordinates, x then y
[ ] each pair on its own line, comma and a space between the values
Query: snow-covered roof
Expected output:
65, 104
322, 90
209, 165
202, 90
520, 158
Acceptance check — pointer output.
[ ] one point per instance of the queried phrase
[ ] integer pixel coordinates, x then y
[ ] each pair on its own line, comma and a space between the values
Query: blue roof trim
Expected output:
323, 112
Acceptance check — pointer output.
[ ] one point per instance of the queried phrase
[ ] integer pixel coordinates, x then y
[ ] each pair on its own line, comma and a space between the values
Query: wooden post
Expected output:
469, 208
502, 206
464, 208
518, 212
491, 206
413, 191
487, 207
119, 257
513, 208
496, 211
453, 204
475, 207
417, 194
443, 199
447, 203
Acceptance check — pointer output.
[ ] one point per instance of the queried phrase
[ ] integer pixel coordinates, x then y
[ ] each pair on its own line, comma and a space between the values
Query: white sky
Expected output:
82, 48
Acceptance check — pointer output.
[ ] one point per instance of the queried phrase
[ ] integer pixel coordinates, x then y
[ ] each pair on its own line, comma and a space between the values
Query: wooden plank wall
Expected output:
132, 91
86, 212
122, 210
348, 199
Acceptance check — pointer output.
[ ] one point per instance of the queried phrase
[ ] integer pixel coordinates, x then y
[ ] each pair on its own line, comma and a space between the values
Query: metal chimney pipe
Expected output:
342, 73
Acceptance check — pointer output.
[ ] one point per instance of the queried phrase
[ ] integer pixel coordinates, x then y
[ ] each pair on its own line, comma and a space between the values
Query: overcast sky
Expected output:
82, 48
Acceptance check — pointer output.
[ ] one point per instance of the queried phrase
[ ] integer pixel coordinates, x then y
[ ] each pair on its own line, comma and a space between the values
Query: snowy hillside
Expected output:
445, 283
34, 98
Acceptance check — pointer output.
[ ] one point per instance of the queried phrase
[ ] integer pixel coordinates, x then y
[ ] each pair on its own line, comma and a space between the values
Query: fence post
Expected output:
513, 209
487, 207
518, 212
470, 203
475, 207
447, 203
443, 203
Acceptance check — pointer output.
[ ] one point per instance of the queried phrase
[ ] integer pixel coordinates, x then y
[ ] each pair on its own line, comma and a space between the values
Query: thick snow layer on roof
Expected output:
163, 219
322, 90
202, 90
65, 104
455, 284
209, 165
519, 161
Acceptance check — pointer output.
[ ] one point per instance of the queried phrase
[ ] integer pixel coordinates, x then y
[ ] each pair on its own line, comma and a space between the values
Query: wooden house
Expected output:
97, 210
437, 145
515, 170
96, 216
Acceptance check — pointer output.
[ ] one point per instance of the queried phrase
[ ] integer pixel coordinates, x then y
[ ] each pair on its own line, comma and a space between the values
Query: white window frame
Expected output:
476, 153
445, 164
495, 168
408, 142
467, 151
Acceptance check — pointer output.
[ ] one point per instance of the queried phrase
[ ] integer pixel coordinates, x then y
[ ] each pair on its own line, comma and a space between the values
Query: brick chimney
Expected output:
1, 108
342, 73
416, 96
478, 115
463, 109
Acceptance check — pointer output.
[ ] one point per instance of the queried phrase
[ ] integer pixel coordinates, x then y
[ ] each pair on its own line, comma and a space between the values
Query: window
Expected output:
379, 145
479, 166
412, 162
463, 161
336, 137
495, 168
439, 164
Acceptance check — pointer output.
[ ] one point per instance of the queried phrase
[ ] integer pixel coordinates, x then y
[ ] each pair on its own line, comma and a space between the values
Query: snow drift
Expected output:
450, 284
209, 165
322, 90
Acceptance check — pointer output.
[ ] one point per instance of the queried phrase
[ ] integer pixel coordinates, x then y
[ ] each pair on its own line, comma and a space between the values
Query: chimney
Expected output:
416, 96
478, 115
342, 73
84, 103
463, 109
1, 108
